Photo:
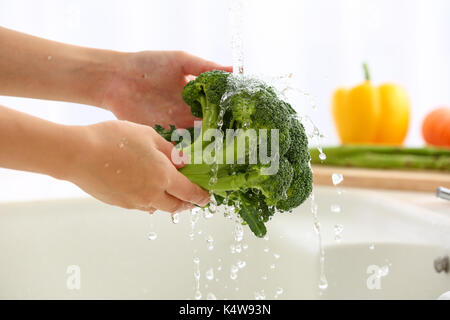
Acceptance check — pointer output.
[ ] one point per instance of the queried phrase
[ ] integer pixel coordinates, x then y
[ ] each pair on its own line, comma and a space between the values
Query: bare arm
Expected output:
33, 67
143, 87
117, 162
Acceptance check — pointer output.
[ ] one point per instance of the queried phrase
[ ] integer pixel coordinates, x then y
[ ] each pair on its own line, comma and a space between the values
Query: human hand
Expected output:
129, 165
147, 86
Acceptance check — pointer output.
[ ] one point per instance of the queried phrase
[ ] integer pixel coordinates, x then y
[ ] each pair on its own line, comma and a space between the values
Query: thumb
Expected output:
176, 156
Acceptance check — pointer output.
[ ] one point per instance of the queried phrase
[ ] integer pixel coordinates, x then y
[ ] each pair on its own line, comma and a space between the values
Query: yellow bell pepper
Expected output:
368, 114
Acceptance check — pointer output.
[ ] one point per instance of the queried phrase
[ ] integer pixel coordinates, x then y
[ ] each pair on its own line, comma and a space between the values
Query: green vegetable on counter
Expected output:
384, 157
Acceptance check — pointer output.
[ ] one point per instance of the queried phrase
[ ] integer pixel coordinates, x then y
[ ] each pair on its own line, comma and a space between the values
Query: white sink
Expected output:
388, 233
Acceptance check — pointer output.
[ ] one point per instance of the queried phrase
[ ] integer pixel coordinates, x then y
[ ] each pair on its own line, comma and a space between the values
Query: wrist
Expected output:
74, 149
100, 68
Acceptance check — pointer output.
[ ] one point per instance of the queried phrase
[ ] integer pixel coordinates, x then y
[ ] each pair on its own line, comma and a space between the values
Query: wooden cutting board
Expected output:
411, 180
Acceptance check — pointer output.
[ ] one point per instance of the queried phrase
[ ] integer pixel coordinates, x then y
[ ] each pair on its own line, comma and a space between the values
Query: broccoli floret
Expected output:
204, 95
166, 134
298, 156
229, 102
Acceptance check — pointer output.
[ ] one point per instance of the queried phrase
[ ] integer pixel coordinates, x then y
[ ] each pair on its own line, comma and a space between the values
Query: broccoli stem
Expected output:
384, 157
200, 174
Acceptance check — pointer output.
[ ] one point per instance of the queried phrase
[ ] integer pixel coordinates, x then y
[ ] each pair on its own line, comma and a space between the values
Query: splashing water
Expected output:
211, 296
382, 272
260, 295
323, 282
337, 178
195, 214
335, 208
278, 292
210, 274
238, 232
233, 272
197, 294
237, 47
210, 242
338, 229
176, 218
152, 235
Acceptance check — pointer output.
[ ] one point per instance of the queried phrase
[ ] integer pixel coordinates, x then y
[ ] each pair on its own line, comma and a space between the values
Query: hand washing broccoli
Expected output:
251, 151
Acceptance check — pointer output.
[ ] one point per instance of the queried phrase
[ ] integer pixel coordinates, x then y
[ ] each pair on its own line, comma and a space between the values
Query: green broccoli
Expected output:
228, 102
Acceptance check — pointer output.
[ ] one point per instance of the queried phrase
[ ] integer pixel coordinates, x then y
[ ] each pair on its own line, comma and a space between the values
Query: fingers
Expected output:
195, 65
175, 156
182, 188
169, 203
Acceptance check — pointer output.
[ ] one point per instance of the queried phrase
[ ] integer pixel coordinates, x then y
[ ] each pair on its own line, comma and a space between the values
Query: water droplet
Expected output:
383, 271
335, 208
260, 295
241, 264
337, 178
175, 218
198, 295
322, 156
207, 213
323, 283
279, 291
210, 296
210, 242
196, 260
272, 266
210, 274
233, 276
316, 227
264, 277
238, 232
213, 181
152, 236
276, 256
245, 246
372, 247
266, 249
338, 229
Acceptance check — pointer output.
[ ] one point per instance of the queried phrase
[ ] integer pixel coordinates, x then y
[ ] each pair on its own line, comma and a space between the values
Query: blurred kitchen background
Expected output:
321, 42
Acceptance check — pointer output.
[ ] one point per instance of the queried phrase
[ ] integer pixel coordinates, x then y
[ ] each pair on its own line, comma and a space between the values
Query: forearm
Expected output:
37, 68
35, 145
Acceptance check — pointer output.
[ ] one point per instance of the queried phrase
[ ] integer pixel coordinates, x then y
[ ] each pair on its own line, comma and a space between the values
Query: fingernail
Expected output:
204, 202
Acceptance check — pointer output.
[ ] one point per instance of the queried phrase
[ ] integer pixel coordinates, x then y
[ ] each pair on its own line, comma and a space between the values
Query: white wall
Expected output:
322, 42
